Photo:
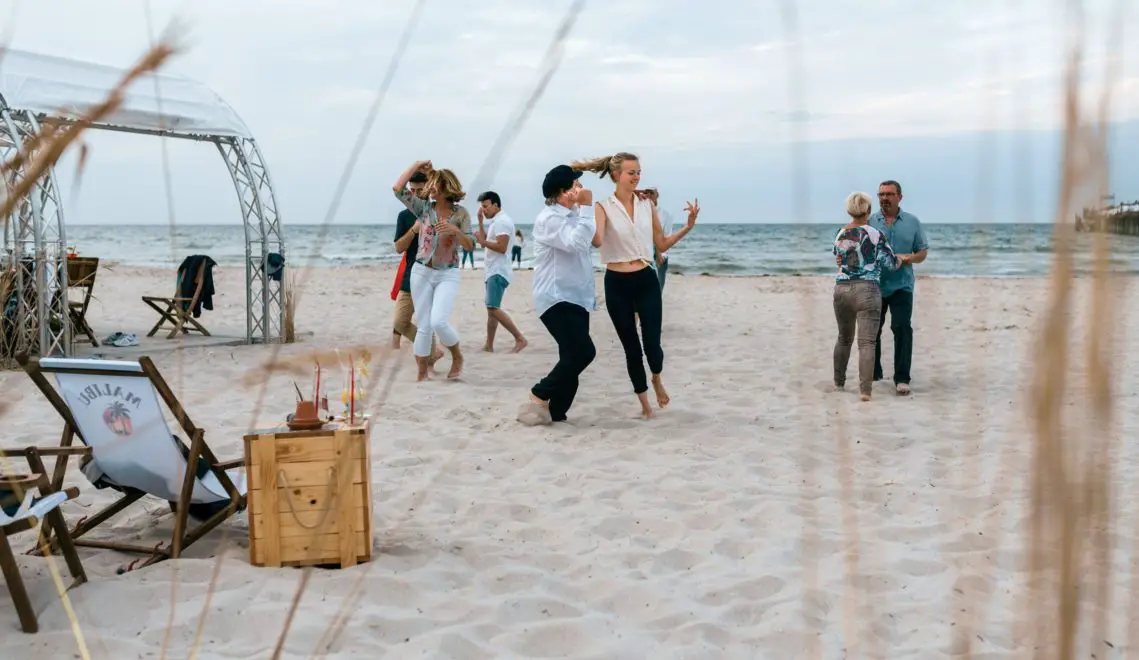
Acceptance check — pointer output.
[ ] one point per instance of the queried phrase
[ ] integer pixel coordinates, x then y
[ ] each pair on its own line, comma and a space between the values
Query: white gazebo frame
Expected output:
36, 89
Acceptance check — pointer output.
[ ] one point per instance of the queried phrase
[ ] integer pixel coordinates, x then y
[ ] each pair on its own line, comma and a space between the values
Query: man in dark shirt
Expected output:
407, 243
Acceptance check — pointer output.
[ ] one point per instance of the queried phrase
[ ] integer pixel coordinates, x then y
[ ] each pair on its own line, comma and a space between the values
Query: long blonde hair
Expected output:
447, 185
605, 166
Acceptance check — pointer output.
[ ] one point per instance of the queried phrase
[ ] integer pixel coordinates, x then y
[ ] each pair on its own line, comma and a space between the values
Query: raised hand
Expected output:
693, 210
585, 197
423, 165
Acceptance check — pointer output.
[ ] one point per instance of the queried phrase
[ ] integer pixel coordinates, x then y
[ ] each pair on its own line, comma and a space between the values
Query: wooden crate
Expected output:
310, 496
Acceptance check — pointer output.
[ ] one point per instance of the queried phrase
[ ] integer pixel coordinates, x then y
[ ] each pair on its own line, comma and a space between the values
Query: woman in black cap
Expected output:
564, 290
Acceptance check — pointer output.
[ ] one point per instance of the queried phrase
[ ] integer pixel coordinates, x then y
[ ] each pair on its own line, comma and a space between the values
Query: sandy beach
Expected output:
758, 516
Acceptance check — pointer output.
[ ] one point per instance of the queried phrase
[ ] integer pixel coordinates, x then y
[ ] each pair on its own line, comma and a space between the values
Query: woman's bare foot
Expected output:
646, 409
436, 355
487, 348
662, 395
519, 344
424, 368
534, 399
865, 397
456, 362
903, 389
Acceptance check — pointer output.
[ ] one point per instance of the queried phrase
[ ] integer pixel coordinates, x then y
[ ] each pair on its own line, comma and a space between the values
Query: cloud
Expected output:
671, 79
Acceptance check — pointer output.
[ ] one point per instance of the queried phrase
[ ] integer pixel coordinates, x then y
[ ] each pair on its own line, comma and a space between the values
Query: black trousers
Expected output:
568, 324
628, 295
900, 304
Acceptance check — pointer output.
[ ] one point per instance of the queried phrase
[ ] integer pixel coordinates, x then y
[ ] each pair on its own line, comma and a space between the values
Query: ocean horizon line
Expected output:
677, 221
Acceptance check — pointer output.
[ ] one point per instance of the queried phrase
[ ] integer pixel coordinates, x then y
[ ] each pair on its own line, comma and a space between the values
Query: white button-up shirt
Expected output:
563, 262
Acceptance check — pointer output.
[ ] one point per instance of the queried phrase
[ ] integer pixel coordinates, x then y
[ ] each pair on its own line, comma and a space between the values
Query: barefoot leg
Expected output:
436, 355
424, 369
456, 362
499, 317
491, 329
646, 409
662, 396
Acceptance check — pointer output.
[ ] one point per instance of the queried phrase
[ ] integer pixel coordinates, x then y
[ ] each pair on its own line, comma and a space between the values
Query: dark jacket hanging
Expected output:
187, 275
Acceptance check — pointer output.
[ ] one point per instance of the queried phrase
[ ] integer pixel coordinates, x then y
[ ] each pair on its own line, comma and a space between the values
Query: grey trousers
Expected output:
857, 305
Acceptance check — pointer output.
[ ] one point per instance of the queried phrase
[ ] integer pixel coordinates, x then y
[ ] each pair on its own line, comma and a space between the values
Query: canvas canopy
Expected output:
60, 87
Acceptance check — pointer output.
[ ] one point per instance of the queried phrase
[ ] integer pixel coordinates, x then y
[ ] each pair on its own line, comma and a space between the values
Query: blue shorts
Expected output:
495, 287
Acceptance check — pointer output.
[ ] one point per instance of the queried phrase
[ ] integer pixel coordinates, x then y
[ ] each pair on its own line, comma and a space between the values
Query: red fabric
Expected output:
398, 278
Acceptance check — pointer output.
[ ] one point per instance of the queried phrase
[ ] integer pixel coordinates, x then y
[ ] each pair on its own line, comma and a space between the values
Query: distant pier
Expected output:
1121, 219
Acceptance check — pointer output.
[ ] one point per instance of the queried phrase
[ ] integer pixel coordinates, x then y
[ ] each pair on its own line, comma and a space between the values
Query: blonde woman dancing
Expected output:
628, 228
862, 254
443, 228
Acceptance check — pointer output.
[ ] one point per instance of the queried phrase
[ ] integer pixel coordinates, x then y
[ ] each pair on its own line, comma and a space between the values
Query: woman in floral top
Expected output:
443, 228
861, 252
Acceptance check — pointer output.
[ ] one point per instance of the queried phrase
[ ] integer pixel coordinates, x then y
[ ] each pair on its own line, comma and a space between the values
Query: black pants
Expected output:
900, 304
628, 295
569, 326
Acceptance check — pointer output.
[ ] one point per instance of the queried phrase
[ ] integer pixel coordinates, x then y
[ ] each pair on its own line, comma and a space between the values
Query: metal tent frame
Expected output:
37, 89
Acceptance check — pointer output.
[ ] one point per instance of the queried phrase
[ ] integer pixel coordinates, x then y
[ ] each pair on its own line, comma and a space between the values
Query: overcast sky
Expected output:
942, 96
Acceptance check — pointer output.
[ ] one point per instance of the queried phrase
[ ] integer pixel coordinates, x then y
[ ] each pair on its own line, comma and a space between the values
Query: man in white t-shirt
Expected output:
666, 226
497, 237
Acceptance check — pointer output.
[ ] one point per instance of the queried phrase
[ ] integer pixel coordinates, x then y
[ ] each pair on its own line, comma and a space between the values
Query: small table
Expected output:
310, 495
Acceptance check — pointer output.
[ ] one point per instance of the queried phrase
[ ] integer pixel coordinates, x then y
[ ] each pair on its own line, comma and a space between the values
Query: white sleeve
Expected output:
503, 228
573, 233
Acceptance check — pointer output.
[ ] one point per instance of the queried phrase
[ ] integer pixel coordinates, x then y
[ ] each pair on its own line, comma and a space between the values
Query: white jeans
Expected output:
433, 292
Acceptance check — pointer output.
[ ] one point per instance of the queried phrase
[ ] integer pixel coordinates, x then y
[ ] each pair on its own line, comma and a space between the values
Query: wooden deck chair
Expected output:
20, 511
177, 310
81, 275
113, 407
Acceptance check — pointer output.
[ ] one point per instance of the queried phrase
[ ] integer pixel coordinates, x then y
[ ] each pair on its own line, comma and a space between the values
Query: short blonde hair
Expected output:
858, 205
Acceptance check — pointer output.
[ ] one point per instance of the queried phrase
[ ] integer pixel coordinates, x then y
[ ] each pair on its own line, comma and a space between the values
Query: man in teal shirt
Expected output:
907, 238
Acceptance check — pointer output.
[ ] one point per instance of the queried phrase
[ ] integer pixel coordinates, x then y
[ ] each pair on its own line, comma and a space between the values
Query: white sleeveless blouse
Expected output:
627, 239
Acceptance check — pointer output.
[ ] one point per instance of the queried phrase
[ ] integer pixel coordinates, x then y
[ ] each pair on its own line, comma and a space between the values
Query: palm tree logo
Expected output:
118, 419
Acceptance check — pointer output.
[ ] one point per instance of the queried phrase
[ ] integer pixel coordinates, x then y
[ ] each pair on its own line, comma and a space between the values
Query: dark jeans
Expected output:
569, 326
627, 296
900, 304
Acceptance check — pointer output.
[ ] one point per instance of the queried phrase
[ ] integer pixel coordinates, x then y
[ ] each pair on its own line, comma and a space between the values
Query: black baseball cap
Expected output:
558, 180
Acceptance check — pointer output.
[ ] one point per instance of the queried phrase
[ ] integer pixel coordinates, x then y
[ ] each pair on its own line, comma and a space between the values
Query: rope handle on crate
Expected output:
330, 496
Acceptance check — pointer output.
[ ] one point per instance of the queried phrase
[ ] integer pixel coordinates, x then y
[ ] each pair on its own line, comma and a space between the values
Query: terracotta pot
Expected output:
306, 412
